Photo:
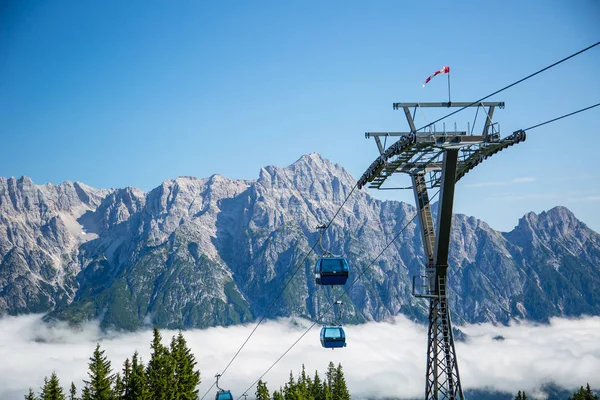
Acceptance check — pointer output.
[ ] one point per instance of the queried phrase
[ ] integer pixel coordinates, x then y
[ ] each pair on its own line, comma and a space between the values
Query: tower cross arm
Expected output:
454, 104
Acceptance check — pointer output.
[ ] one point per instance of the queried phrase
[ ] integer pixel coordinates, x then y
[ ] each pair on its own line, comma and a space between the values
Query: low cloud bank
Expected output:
381, 360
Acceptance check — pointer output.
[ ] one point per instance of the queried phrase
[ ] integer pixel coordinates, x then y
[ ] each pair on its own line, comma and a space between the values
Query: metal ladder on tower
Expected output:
426, 218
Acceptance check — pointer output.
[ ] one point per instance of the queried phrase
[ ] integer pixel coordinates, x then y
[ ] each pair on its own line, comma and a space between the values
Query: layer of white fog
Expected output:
381, 360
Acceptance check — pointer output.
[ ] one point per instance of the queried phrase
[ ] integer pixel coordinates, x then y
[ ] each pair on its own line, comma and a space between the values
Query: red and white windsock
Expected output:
444, 70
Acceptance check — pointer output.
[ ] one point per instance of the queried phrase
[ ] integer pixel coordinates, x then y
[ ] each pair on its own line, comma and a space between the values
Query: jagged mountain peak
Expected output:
472, 222
194, 184
558, 221
311, 173
221, 182
22, 195
116, 208
186, 180
191, 193
313, 159
560, 214
316, 162
21, 180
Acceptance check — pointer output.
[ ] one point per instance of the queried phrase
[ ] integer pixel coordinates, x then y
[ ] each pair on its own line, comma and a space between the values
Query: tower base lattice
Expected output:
443, 381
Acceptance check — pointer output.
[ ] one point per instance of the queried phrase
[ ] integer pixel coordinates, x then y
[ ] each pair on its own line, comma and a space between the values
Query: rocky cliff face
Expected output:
202, 252
547, 266
39, 242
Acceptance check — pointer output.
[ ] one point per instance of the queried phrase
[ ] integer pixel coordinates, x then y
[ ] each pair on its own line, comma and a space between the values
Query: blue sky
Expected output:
117, 94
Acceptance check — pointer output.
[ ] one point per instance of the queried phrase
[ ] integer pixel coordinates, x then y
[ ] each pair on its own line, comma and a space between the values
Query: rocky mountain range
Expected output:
216, 251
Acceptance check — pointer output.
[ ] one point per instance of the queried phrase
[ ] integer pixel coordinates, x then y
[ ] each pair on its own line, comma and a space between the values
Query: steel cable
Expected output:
561, 117
389, 244
344, 293
511, 85
322, 232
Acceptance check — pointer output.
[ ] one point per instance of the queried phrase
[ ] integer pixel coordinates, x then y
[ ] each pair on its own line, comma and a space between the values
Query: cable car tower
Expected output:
436, 160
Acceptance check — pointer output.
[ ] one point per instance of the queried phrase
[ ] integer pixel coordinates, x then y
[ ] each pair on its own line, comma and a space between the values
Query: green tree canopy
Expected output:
125, 381
119, 388
584, 394
185, 376
339, 390
99, 386
51, 389
136, 386
73, 392
317, 390
262, 392
290, 390
160, 370
330, 374
31, 395
521, 396
304, 386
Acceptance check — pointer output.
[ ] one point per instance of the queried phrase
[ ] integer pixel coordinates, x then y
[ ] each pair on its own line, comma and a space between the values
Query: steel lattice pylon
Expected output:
435, 159
443, 379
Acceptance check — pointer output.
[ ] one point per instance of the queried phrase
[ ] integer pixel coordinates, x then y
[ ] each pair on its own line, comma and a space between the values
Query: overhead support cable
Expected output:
561, 117
344, 293
408, 140
511, 85
300, 265
405, 141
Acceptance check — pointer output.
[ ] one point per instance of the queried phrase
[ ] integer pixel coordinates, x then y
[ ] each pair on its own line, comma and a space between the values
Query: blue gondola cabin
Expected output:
331, 271
333, 337
223, 395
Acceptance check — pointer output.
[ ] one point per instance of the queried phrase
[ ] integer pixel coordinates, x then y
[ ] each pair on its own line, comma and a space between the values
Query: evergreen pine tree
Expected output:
339, 390
51, 389
160, 370
329, 380
328, 394
73, 392
589, 394
99, 387
289, 390
584, 394
277, 395
578, 395
30, 395
186, 378
126, 378
317, 390
137, 385
262, 392
304, 385
119, 387
330, 374
46, 384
